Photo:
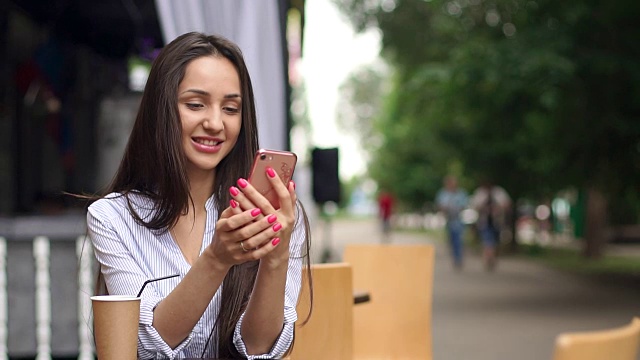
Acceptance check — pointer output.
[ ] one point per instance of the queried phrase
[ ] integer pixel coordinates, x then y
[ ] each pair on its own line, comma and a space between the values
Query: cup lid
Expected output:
115, 297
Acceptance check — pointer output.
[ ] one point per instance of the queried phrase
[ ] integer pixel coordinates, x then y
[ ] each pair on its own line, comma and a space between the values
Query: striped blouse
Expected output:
129, 254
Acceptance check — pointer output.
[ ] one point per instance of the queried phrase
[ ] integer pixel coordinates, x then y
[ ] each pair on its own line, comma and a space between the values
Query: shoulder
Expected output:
501, 194
109, 204
480, 192
478, 196
118, 205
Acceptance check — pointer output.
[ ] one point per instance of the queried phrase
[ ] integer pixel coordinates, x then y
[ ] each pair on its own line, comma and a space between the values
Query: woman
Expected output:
179, 205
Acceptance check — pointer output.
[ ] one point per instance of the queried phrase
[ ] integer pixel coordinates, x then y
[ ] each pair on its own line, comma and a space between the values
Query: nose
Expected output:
213, 121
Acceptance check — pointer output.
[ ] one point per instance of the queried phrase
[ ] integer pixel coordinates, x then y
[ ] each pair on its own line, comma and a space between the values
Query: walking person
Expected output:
180, 204
451, 200
492, 202
385, 210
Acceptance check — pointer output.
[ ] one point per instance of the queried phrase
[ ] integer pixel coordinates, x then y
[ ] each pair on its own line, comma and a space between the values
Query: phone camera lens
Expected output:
263, 156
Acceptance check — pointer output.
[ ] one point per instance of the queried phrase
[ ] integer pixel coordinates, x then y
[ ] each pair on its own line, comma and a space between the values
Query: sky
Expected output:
331, 51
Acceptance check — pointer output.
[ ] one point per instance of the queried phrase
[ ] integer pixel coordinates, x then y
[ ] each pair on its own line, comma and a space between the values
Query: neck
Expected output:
201, 187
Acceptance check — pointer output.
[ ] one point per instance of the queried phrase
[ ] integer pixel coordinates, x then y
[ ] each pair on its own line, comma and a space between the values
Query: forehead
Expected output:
208, 72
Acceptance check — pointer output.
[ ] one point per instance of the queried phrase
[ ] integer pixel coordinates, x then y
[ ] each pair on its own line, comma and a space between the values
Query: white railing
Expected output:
41, 254
85, 287
43, 298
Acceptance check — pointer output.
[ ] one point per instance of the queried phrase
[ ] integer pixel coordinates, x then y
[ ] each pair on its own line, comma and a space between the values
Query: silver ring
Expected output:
242, 246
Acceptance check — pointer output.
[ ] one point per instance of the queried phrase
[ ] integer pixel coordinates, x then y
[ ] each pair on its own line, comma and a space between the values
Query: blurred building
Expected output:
62, 62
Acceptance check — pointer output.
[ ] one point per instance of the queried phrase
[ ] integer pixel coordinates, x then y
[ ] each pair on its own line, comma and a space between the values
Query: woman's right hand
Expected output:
241, 236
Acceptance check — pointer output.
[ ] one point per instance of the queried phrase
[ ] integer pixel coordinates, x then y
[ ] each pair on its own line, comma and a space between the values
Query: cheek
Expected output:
184, 121
188, 124
232, 129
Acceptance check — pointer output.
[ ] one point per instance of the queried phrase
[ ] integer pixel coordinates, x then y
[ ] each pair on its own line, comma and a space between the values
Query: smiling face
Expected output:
210, 108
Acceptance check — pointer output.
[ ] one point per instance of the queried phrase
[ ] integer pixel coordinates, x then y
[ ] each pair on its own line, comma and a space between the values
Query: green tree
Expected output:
538, 95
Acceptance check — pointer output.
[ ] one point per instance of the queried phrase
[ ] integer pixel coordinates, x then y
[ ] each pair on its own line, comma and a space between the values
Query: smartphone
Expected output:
283, 162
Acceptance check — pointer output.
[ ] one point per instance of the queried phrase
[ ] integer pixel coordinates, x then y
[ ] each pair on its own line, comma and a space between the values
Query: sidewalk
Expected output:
512, 313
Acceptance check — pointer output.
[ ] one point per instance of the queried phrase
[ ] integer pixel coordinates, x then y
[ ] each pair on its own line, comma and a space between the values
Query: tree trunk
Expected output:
595, 224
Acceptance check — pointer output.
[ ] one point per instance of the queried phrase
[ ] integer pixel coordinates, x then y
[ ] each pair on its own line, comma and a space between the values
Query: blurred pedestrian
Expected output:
451, 200
492, 203
385, 210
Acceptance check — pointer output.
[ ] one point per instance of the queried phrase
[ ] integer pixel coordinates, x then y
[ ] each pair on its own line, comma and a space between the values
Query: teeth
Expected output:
207, 142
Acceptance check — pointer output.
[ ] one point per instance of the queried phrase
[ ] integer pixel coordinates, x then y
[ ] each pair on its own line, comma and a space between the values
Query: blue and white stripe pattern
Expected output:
130, 254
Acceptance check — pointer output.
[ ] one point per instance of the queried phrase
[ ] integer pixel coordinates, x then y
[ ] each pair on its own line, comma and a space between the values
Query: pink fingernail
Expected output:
271, 172
272, 218
275, 241
234, 191
256, 212
293, 183
242, 183
233, 203
276, 227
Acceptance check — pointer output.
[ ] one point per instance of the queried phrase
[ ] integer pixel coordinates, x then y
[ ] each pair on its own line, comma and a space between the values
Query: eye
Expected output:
231, 109
194, 106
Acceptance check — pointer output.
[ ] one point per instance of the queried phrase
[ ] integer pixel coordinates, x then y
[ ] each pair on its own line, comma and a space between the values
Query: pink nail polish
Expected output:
275, 241
234, 191
276, 227
256, 212
272, 218
242, 183
233, 203
271, 172
294, 184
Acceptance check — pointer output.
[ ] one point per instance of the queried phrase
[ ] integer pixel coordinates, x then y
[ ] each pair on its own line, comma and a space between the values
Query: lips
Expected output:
207, 145
207, 142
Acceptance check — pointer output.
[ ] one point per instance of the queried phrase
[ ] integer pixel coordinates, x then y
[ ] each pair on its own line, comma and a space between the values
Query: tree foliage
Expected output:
536, 95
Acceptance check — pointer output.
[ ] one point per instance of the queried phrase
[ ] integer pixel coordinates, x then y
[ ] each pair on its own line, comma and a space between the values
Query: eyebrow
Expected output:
205, 93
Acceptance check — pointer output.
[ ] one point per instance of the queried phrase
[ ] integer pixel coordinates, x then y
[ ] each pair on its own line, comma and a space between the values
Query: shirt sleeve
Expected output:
297, 250
124, 276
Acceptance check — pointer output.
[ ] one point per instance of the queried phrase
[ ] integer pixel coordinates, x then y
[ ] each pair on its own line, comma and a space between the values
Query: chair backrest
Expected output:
612, 344
329, 331
396, 322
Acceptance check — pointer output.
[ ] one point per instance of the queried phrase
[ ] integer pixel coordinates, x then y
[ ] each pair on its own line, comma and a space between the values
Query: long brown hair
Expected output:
153, 164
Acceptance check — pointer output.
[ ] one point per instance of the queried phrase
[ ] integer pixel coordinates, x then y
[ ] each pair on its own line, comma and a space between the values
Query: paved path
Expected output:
513, 313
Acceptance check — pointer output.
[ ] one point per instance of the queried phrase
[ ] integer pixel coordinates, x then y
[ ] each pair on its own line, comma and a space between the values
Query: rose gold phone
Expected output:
283, 162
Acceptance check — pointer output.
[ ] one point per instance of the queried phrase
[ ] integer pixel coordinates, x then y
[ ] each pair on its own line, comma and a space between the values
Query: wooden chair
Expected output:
612, 344
329, 332
396, 322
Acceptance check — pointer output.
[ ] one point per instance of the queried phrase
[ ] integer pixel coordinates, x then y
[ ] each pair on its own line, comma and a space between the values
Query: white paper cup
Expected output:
115, 326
